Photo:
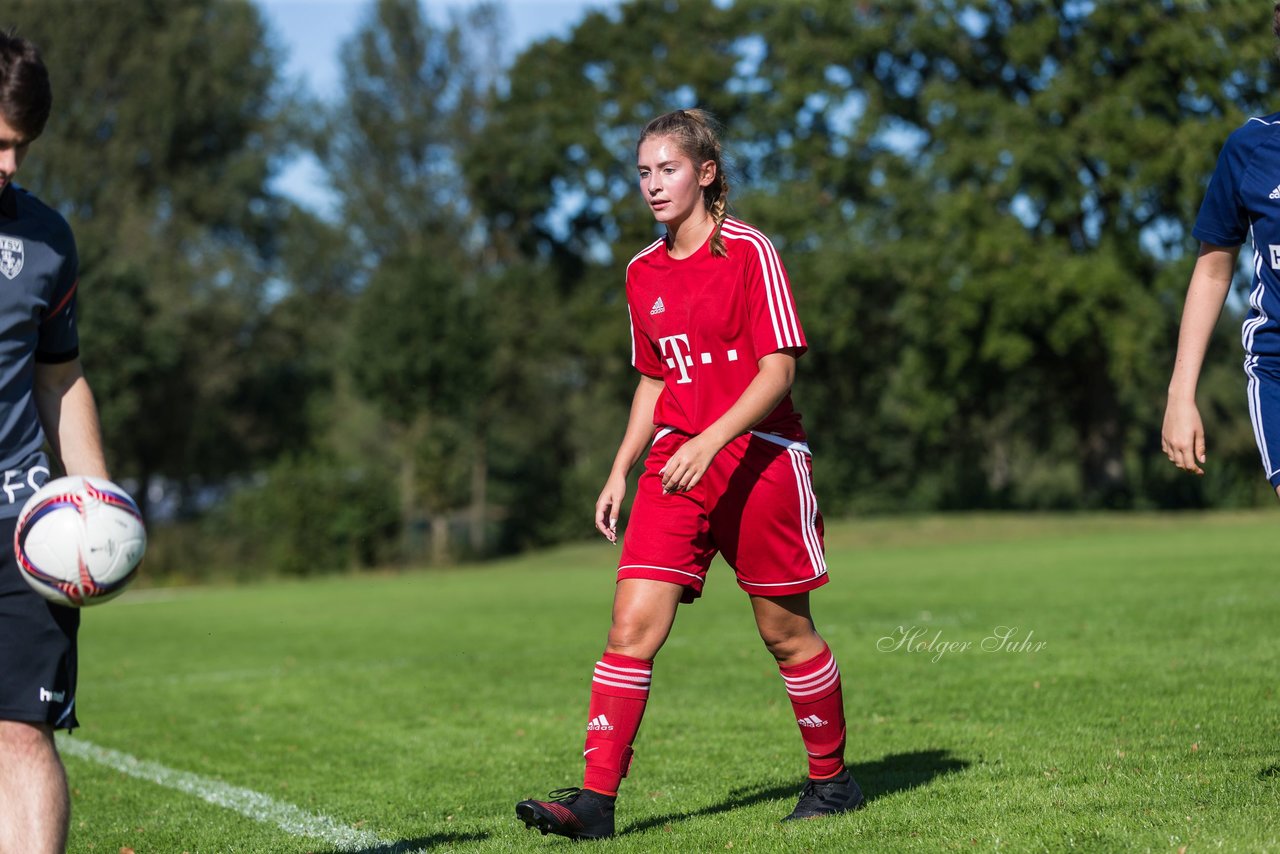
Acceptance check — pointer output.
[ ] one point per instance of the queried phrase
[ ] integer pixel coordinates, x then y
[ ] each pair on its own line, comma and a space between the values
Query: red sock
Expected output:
814, 689
619, 691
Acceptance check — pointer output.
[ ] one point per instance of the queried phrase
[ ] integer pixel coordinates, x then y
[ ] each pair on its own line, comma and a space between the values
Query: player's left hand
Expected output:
1182, 436
688, 464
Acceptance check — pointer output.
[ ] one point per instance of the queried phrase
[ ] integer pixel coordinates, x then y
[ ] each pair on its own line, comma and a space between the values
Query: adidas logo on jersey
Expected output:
1275, 194
813, 721
658, 307
600, 723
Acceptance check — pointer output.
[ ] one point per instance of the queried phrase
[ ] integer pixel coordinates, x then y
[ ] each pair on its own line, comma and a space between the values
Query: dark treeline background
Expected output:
984, 208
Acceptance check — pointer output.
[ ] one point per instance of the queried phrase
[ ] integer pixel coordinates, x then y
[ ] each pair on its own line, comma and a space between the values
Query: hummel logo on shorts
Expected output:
812, 721
600, 722
658, 307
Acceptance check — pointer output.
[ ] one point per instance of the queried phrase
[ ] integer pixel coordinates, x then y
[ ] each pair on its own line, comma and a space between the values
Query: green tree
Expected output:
417, 346
551, 181
413, 96
1045, 161
984, 208
168, 124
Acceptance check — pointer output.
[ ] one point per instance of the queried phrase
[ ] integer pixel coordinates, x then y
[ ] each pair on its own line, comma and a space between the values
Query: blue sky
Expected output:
311, 32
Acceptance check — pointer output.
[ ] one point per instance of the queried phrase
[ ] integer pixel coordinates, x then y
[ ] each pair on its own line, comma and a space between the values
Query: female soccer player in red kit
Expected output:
715, 337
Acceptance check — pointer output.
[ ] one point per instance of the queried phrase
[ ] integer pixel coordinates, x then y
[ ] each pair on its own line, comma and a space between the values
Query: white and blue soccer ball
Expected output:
79, 540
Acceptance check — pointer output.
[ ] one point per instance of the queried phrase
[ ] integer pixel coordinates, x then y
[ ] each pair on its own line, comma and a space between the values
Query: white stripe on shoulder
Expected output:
1261, 121
786, 327
645, 251
631, 323
771, 269
631, 327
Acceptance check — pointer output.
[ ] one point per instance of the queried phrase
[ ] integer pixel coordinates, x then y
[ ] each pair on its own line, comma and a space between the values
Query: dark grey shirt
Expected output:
38, 270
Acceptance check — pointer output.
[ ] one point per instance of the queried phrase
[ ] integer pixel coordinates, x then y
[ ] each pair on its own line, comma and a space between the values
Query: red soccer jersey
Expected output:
702, 323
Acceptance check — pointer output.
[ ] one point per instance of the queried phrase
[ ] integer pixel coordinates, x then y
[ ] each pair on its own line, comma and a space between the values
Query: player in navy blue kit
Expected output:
1242, 201
43, 397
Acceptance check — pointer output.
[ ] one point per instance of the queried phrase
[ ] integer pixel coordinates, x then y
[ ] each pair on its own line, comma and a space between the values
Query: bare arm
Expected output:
767, 389
69, 416
634, 441
1182, 436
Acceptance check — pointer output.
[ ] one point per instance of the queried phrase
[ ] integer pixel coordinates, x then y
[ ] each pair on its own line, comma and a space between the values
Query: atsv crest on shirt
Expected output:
11, 257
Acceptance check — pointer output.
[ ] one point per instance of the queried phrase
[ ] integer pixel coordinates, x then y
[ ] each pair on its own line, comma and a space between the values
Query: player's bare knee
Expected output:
18, 738
782, 648
791, 643
643, 651
635, 640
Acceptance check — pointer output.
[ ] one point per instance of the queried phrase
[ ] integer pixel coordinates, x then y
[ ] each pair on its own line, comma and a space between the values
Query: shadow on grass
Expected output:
897, 772
900, 772
407, 846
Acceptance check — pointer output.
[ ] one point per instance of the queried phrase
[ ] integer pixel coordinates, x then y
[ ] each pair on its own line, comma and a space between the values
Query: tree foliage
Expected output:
984, 208
413, 96
431, 334
165, 132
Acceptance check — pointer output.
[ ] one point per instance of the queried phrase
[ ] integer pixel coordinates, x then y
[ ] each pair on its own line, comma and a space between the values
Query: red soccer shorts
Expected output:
755, 505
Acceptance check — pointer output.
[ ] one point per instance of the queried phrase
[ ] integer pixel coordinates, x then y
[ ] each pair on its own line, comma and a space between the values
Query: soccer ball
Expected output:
79, 540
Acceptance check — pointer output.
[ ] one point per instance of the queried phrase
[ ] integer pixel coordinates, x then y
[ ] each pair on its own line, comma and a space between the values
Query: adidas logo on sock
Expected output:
600, 722
658, 307
811, 721
1275, 194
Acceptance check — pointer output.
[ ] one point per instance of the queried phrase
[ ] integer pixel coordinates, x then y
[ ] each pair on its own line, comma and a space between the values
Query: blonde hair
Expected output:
697, 136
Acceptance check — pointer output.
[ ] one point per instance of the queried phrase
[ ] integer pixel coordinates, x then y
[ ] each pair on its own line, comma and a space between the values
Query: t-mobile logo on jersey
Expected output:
676, 349
1275, 255
679, 356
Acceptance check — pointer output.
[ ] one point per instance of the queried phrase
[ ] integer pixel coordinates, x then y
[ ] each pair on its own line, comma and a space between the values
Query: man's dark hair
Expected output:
25, 95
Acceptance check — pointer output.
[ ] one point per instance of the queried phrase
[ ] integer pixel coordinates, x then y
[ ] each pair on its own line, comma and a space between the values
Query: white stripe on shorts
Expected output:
790, 444
808, 511
662, 568
1255, 414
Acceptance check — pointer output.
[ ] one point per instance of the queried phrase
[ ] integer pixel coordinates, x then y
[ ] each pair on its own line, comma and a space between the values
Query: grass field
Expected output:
397, 713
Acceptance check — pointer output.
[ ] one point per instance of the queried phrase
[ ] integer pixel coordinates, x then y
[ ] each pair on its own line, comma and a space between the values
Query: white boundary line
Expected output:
291, 819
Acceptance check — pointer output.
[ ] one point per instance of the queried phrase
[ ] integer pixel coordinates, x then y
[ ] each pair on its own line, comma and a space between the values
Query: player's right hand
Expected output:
1182, 437
609, 506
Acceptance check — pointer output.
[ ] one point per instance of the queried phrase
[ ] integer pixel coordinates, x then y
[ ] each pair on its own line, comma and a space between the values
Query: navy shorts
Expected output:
1264, 411
37, 648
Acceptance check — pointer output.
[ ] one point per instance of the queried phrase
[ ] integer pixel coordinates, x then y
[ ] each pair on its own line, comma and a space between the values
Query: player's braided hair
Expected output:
698, 138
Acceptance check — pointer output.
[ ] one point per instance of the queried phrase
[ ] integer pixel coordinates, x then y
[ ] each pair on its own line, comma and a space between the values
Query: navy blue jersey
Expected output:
1242, 201
38, 269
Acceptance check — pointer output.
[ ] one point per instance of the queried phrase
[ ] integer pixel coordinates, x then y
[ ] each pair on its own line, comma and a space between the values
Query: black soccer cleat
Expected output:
575, 813
822, 798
